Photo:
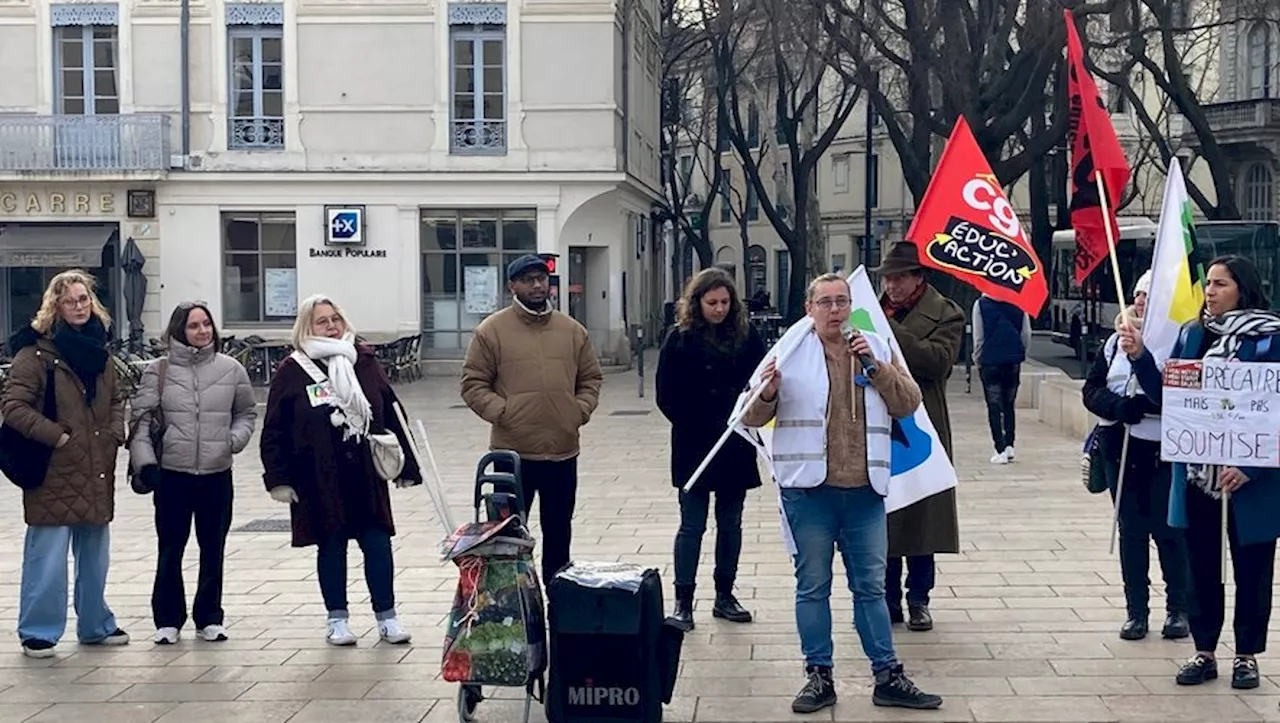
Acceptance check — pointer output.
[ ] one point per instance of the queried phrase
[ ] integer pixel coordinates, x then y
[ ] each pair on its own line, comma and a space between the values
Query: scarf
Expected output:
1232, 328
893, 310
85, 351
339, 355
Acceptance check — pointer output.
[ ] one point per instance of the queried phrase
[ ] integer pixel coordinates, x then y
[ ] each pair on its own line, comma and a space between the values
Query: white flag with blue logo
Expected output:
918, 462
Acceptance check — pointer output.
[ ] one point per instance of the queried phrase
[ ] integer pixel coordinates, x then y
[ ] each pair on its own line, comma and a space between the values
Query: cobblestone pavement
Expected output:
1026, 616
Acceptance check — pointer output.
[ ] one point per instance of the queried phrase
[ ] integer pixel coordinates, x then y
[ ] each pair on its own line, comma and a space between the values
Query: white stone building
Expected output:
393, 153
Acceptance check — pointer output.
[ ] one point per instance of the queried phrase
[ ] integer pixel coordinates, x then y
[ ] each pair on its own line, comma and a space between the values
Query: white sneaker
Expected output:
213, 633
393, 632
1010, 454
167, 636
1000, 458
339, 633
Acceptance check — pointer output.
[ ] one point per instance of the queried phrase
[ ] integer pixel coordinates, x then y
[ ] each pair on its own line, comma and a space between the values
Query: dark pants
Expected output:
920, 577
1000, 389
1144, 505
379, 571
180, 498
1253, 567
555, 486
694, 507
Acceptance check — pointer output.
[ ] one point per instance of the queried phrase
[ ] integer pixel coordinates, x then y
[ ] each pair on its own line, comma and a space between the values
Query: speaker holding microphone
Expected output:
848, 331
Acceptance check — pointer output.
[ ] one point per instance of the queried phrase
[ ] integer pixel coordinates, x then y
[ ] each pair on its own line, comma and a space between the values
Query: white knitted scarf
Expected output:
339, 355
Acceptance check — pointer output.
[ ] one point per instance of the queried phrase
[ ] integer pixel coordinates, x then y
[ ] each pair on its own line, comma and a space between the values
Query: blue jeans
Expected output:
820, 519
379, 572
42, 612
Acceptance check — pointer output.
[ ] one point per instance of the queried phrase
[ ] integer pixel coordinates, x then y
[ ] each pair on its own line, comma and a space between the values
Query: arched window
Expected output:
1259, 193
1260, 61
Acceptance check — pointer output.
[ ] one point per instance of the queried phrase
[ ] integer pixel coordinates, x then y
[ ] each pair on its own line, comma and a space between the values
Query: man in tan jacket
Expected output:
532, 373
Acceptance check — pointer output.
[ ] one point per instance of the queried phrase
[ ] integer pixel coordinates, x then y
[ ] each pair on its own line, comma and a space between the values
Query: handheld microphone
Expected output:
848, 332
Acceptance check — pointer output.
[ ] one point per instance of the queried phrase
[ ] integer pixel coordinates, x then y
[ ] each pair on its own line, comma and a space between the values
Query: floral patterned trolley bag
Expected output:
496, 632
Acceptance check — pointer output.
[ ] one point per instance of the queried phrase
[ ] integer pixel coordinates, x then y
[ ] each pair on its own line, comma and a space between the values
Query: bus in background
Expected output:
1088, 311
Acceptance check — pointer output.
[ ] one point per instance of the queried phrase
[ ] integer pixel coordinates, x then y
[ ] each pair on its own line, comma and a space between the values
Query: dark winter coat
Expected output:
930, 334
79, 488
697, 385
339, 492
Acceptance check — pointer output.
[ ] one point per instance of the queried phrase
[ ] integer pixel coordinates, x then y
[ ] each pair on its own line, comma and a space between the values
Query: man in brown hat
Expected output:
930, 328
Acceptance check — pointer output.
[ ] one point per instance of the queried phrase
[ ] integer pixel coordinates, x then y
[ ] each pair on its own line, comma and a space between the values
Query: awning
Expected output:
57, 246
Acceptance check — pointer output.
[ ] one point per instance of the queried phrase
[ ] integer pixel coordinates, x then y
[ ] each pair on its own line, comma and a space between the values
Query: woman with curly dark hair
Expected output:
705, 362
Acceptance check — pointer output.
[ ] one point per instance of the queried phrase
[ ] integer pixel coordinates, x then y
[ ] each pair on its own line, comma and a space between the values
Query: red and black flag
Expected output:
1094, 150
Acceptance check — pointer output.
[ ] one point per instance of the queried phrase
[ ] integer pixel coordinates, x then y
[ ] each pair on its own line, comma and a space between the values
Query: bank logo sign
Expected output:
344, 225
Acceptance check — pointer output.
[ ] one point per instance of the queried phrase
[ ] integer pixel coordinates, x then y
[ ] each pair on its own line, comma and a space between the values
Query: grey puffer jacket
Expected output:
208, 412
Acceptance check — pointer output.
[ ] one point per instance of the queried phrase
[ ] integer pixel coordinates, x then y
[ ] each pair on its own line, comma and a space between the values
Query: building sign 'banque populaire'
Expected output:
1221, 413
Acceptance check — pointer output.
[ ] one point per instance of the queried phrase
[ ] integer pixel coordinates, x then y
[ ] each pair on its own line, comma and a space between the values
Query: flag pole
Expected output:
1217, 473
1111, 244
1124, 462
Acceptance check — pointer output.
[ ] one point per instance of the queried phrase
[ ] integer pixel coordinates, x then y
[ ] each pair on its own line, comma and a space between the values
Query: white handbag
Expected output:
388, 455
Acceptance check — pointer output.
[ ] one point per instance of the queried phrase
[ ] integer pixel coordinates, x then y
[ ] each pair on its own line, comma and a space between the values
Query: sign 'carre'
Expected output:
1221, 413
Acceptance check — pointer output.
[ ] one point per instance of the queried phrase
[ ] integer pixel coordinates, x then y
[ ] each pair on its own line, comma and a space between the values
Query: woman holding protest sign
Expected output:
1131, 410
1235, 325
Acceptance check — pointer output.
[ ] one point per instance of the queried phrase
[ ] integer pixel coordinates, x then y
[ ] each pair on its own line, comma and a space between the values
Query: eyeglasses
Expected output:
840, 303
328, 321
76, 302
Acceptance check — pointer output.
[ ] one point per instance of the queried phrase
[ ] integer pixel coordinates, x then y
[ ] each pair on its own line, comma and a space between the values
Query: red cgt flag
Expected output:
1094, 149
966, 227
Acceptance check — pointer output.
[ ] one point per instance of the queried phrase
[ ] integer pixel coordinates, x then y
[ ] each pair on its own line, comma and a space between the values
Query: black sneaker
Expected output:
1244, 674
895, 689
35, 648
819, 691
1199, 669
117, 637
728, 608
1134, 629
1176, 626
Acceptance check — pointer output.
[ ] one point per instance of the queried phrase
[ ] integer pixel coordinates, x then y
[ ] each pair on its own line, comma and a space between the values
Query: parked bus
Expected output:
1086, 311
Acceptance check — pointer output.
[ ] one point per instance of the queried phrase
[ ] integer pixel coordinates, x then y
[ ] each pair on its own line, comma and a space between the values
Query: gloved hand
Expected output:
1133, 410
150, 476
284, 494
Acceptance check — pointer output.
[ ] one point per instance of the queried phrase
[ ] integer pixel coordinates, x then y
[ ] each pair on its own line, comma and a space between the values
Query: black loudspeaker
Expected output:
612, 658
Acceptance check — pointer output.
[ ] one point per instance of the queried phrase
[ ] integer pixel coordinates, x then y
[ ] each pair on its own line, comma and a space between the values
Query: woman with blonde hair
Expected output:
705, 362
330, 444
70, 509
1123, 390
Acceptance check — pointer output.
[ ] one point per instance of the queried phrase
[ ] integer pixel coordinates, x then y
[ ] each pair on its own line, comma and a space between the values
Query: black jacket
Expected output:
697, 386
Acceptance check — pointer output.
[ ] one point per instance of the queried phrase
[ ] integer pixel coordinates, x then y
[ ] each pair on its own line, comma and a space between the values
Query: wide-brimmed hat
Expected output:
903, 257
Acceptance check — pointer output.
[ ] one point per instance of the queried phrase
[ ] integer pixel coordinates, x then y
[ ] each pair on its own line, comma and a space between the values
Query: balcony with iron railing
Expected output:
130, 146
255, 134
479, 137
1239, 121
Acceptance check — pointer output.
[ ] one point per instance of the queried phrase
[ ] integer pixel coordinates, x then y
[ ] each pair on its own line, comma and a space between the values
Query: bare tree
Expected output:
935, 60
1174, 46
773, 52
685, 45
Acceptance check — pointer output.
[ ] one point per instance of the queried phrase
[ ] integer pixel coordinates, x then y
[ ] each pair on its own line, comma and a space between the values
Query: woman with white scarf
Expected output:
1235, 325
331, 442
1129, 414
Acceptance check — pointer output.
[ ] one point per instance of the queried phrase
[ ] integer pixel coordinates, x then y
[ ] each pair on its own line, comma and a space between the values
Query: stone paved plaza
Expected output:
1026, 617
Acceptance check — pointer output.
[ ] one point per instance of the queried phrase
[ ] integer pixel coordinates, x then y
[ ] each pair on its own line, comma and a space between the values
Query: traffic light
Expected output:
551, 262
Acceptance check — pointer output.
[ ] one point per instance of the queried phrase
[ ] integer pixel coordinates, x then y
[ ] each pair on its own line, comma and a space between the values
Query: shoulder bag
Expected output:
156, 414
23, 460
388, 455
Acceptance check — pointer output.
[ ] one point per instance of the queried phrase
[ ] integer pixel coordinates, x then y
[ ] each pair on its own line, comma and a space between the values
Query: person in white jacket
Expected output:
831, 446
